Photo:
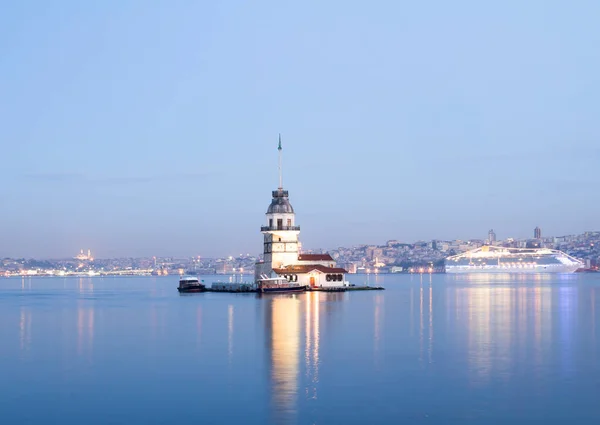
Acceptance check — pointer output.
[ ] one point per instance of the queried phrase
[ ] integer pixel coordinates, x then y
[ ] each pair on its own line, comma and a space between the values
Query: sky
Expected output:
139, 128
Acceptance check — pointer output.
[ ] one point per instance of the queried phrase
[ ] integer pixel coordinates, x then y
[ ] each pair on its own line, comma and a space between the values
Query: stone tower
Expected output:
280, 231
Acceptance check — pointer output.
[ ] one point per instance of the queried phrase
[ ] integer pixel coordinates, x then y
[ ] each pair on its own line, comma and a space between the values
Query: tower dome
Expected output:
280, 203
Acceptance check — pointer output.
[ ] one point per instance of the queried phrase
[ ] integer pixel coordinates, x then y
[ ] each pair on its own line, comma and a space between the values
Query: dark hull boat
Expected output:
277, 285
282, 289
197, 288
190, 284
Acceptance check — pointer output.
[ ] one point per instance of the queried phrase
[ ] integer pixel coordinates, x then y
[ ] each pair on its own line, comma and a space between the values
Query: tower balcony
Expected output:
280, 193
276, 228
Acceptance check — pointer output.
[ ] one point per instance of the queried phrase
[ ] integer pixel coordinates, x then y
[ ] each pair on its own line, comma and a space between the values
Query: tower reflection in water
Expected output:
284, 347
312, 336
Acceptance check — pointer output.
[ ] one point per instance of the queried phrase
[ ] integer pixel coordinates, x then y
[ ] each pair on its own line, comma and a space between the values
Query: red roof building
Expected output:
314, 257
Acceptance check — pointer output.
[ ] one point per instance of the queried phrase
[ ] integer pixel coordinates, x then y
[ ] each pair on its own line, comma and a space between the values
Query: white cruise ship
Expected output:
495, 259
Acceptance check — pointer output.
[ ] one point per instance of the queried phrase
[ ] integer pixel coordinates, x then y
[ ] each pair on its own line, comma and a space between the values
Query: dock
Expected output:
232, 287
231, 291
346, 289
247, 288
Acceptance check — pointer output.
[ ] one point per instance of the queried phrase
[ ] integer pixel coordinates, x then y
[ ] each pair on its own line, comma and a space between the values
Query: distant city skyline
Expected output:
155, 133
88, 253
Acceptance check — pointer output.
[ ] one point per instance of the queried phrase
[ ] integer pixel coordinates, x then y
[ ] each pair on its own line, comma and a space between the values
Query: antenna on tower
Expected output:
280, 175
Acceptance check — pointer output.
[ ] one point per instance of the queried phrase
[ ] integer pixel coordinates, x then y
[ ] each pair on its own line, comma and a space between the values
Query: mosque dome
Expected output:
280, 203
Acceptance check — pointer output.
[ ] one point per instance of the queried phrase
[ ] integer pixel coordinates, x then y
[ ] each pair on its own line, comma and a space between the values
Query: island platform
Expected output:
249, 287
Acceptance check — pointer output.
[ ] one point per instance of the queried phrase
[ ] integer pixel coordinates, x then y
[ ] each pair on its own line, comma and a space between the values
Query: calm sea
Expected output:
438, 349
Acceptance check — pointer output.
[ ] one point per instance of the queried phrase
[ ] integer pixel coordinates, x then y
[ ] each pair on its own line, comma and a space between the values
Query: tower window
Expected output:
270, 222
289, 222
280, 223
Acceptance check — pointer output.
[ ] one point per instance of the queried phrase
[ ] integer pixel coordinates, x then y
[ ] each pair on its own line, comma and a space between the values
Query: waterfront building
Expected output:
537, 233
281, 247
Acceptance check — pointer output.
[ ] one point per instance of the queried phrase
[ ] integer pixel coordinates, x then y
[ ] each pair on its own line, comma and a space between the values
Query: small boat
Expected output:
190, 284
277, 284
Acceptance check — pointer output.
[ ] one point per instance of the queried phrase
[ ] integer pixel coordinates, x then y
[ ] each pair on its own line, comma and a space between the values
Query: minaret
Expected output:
280, 232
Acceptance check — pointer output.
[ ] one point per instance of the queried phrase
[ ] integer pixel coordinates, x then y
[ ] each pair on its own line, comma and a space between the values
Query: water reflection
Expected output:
85, 285
230, 332
294, 332
425, 317
511, 278
567, 306
25, 283
25, 331
474, 304
85, 328
311, 352
593, 327
283, 347
430, 327
199, 325
468, 351
421, 323
509, 325
593, 312
158, 322
378, 315
412, 312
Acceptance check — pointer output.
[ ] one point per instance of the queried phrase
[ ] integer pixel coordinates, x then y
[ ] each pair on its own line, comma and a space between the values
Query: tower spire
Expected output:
280, 175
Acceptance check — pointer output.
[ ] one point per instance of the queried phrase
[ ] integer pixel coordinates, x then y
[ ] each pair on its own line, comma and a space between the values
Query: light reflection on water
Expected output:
198, 326
85, 329
434, 348
283, 345
378, 319
24, 331
230, 332
311, 351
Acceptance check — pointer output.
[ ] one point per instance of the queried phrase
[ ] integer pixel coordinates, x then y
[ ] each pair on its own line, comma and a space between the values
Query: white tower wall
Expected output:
280, 231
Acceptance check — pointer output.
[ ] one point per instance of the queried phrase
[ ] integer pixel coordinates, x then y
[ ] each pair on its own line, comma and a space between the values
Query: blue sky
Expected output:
150, 127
